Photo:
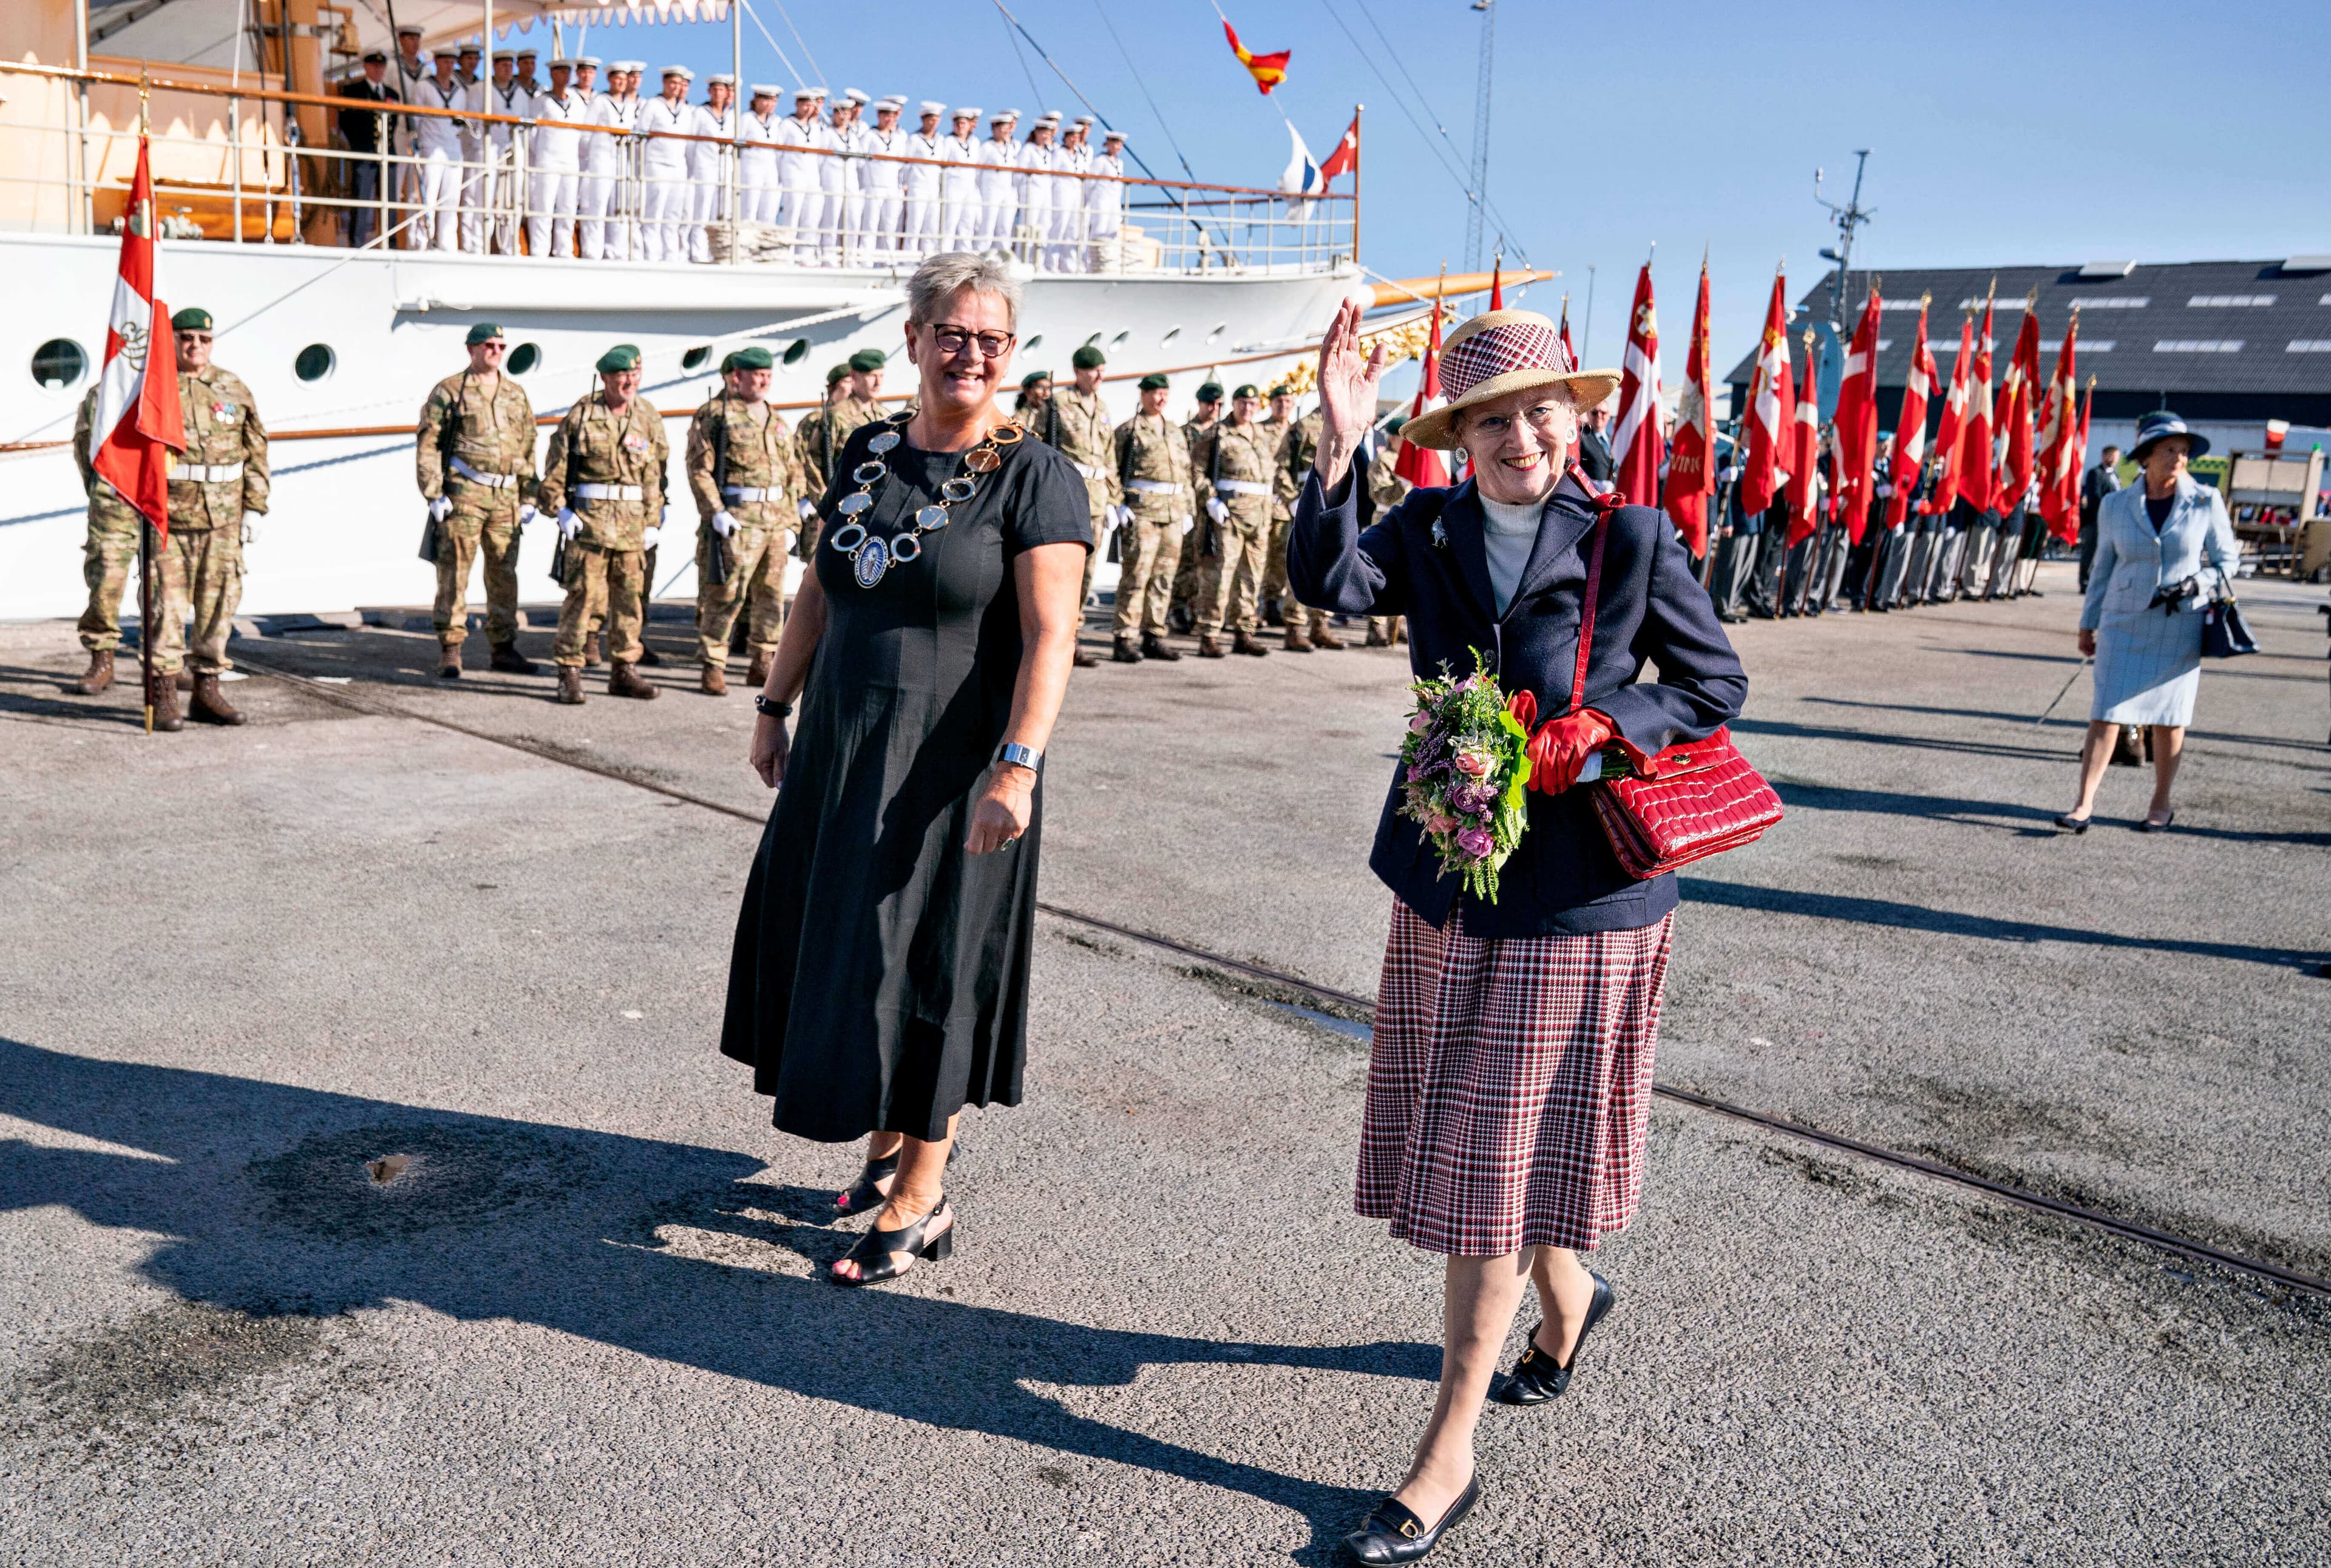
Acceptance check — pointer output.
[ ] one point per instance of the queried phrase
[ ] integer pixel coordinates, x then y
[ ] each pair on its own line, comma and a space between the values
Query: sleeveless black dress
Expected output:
880, 976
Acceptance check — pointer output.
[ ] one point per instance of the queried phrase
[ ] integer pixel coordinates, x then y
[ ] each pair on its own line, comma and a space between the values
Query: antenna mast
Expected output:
1479, 194
1846, 218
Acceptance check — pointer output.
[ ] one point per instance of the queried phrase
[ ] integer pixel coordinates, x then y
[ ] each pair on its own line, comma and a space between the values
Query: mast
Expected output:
1846, 218
1479, 194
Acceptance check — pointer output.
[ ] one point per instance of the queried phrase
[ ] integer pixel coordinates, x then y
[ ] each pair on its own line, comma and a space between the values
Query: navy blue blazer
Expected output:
1563, 878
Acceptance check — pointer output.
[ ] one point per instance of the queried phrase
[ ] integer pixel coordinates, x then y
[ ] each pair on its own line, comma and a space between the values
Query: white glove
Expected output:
650, 534
1216, 509
527, 512
808, 509
723, 524
569, 525
440, 509
1123, 516
251, 526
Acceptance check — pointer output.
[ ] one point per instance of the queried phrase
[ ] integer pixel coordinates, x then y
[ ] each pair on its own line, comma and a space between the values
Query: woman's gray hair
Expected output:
941, 278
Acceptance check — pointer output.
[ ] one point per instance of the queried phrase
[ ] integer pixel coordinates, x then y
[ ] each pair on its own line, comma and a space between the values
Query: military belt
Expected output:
491, 481
610, 493
1241, 488
1086, 469
216, 474
751, 493
1153, 486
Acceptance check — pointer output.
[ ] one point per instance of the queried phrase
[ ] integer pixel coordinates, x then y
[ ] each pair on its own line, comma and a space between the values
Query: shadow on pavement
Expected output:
2026, 719
562, 1228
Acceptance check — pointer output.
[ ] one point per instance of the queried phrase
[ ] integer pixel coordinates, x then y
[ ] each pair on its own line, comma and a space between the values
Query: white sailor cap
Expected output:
679, 70
808, 92
591, 61
560, 62
970, 112
854, 96
720, 78
933, 106
409, 30
445, 52
1085, 120
895, 100
528, 54
1113, 136
634, 66
1048, 117
766, 89
1001, 115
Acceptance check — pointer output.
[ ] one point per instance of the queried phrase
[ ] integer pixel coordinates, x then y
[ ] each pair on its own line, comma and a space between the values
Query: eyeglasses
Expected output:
954, 340
1494, 426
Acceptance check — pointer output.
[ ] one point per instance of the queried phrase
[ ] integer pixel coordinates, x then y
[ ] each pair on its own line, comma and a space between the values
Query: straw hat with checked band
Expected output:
1498, 353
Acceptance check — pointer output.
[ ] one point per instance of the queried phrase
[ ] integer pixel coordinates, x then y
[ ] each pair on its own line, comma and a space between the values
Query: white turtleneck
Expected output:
1509, 532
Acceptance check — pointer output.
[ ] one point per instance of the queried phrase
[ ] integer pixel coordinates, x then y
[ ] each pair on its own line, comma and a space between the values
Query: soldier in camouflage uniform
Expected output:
1277, 422
1088, 440
745, 476
109, 556
822, 434
218, 492
1387, 490
1153, 472
1183, 615
603, 480
1235, 464
473, 456
1305, 628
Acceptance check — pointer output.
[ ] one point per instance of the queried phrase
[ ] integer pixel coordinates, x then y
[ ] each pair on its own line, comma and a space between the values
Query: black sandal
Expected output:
2072, 824
1536, 1378
881, 1254
866, 1195
1392, 1534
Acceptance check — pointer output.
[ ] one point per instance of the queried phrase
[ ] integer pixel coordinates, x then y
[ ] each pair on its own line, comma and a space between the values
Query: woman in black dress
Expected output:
880, 979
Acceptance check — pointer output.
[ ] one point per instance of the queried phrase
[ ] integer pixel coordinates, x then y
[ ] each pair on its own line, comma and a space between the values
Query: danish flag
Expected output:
2061, 444
1910, 427
1805, 516
1346, 158
137, 422
1947, 448
1422, 466
1691, 456
1638, 446
1857, 420
1975, 473
2015, 392
1772, 408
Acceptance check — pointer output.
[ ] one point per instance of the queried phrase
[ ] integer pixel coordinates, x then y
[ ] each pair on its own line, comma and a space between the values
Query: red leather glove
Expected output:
1561, 746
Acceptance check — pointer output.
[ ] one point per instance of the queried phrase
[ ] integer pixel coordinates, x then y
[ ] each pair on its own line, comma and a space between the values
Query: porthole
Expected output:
1035, 342
59, 363
1216, 335
797, 351
1119, 340
524, 358
1171, 334
695, 358
1092, 340
315, 362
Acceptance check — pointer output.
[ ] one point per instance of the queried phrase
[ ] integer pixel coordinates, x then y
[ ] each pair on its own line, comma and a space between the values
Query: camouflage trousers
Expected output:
107, 558
1185, 570
756, 584
1145, 568
201, 574
458, 540
601, 583
1229, 578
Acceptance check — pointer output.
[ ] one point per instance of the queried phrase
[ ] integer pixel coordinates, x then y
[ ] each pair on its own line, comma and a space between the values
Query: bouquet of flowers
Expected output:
1464, 775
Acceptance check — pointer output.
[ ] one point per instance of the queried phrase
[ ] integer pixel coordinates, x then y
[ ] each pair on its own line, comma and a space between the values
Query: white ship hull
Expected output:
345, 521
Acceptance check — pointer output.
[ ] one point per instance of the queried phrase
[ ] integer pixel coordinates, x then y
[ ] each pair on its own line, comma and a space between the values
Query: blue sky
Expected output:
2002, 133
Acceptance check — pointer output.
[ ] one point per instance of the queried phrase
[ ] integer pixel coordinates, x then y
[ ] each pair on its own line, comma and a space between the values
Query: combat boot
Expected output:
757, 675
625, 681
1208, 648
1183, 619
1325, 638
449, 662
649, 656
1270, 613
98, 676
209, 705
1124, 653
570, 686
1084, 660
1244, 642
1376, 637
739, 634
591, 651
508, 661
1296, 640
1156, 647
166, 704
714, 682
184, 679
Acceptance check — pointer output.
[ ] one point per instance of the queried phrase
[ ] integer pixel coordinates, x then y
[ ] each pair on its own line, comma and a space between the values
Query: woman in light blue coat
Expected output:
2161, 547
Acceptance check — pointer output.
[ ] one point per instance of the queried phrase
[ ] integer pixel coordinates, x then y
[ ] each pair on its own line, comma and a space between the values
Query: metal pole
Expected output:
234, 148
737, 102
84, 197
1356, 181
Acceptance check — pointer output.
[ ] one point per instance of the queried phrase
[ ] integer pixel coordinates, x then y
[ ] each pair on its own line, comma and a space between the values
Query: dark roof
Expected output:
2185, 327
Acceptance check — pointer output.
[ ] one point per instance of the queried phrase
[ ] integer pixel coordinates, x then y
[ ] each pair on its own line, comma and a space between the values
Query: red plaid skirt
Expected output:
1509, 1086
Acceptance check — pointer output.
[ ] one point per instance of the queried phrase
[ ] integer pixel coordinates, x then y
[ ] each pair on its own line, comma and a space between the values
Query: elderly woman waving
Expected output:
1510, 1082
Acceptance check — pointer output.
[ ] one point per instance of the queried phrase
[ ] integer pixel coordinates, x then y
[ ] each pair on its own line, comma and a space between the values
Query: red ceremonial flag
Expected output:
1267, 70
1857, 420
2060, 462
1805, 478
1498, 283
1422, 466
1772, 409
2015, 395
1638, 446
1910, 427
137, 422
1946, 439
1346, 157
1975, 456
1562, 331
1691, 456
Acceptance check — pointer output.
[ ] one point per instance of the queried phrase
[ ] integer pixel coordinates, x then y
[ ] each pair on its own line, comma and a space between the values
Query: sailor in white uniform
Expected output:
920, 223
804, 207
999, 185
882, 184
666, 203
1069, 199
554, 164
490, 198
1039, 157
607, 166
437, 159
757, 193
1105, 205
707, 161
838, 176
961, 223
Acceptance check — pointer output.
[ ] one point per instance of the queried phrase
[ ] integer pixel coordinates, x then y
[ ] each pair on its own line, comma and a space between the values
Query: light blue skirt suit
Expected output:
2149, 661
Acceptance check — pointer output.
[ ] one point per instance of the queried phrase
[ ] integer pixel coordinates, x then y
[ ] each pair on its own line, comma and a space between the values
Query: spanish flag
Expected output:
1267, 70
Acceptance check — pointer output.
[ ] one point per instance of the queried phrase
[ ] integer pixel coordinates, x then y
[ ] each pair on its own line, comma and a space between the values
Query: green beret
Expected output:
1155, 382
193, 318
622, 357
483, 332
754, 359
867, 360
1028, 381
1392, 426
1282, 390
1246, 389
836, 374
1089, 358
1211, 392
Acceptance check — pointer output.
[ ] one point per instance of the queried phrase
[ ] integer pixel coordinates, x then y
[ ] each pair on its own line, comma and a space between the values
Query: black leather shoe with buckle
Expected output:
1390, 1534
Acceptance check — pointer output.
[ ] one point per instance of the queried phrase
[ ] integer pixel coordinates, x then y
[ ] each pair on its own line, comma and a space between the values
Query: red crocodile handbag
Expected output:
1695, 799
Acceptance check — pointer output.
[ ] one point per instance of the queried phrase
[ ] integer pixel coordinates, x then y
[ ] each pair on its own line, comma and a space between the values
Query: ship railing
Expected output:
250, 166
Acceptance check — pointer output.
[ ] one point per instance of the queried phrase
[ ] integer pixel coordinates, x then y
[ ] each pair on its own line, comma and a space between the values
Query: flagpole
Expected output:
1355, 182
146, 524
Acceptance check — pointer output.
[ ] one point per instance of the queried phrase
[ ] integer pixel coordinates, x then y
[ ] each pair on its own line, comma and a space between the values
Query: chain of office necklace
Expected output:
870, 556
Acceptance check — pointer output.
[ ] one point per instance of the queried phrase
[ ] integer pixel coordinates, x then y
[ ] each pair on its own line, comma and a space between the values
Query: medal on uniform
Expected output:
872, 557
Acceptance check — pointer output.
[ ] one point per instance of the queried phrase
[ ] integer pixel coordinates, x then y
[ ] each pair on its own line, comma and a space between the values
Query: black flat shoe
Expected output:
1536, 1378
2149, 826
2072, 824
883, 1255
1390, 1534
866, 1195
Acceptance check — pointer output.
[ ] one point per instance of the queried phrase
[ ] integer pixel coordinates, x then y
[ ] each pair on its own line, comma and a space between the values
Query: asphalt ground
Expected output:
584, 1326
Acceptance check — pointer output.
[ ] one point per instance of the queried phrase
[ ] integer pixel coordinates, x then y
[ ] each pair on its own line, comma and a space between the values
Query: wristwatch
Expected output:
764, 703
1019, 755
